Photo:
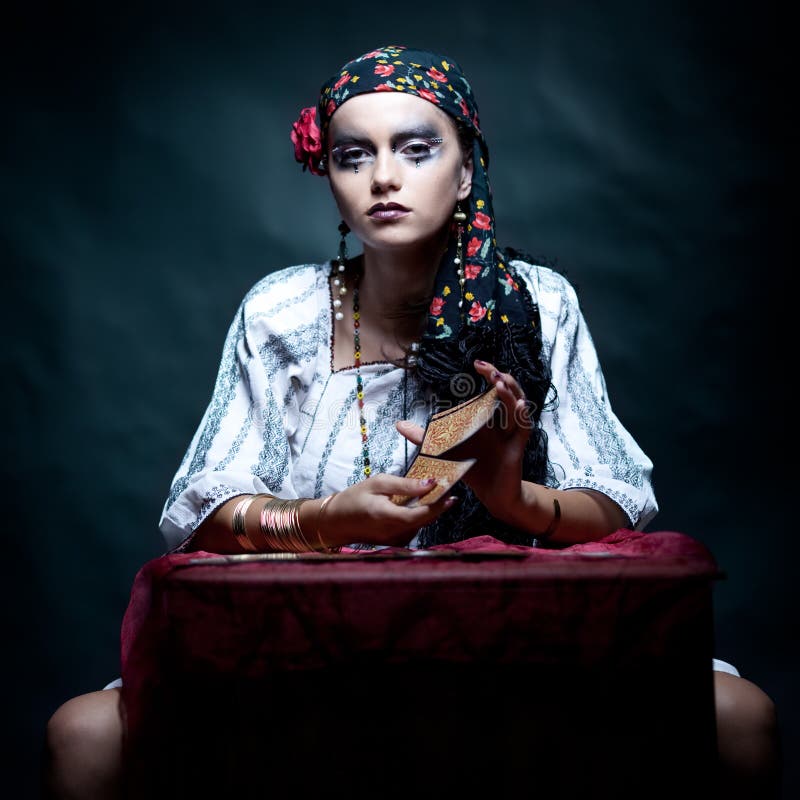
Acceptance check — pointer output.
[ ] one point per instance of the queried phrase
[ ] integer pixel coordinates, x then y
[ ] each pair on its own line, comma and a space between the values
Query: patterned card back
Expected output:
445, 430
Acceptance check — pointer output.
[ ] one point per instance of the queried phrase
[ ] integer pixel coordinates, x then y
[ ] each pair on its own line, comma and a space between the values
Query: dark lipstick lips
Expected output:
386, 207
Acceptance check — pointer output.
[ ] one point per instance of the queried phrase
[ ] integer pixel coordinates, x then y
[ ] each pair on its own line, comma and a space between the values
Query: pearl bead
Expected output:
337, 282
337, 303
456, 260
339, 315
343, 290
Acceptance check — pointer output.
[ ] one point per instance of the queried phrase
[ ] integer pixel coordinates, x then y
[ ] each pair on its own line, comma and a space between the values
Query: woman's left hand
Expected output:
496, 477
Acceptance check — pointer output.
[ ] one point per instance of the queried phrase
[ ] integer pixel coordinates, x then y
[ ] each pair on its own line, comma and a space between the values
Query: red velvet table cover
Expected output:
625, 603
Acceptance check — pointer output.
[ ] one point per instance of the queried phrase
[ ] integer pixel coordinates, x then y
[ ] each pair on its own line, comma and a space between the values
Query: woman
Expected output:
330, 372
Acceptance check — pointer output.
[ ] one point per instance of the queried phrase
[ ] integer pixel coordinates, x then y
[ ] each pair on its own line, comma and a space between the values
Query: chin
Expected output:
393, 236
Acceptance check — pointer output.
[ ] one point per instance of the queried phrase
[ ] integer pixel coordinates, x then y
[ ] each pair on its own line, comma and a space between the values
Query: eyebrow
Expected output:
419, 132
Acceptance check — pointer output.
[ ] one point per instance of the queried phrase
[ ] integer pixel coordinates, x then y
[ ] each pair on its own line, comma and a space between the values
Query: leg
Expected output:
747, 739
83, 748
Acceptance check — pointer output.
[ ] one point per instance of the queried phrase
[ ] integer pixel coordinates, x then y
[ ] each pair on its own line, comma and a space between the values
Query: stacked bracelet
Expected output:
279, 523
239, 523
551, 528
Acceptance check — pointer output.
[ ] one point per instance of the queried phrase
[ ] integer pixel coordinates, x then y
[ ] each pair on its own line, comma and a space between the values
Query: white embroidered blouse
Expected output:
282, 421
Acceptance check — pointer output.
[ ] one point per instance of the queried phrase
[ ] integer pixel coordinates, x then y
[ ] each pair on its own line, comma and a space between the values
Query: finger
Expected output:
408, 487
513, 384
421, 515
493, 375
523, 417
414, 433
485, 369
507, 396
513, 410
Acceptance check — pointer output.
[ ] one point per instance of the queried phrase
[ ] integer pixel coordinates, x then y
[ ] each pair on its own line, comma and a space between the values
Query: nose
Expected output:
385, 172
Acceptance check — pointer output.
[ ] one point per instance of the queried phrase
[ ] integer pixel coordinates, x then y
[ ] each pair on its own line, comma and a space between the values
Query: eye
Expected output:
420, 149
350, 156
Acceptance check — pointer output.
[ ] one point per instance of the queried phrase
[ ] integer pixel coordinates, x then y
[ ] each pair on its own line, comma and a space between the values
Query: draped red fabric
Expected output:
319, 611
629, 603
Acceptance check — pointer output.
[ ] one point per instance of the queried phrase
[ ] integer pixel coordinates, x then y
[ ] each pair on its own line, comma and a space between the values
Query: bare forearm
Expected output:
363, 512
216, 532
586, 515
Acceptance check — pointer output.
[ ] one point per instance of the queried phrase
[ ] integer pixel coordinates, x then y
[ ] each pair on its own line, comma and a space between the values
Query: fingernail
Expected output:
451, 500
495, 373
427, 481
480, 363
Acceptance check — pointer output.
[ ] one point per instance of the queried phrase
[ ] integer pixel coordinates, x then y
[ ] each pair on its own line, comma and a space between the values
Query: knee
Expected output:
89, 723
743, 709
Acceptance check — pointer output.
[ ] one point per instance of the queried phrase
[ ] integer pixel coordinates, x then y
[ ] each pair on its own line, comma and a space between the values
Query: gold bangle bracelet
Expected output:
325, 502
238, 524
551, 528
279, 523
264, 520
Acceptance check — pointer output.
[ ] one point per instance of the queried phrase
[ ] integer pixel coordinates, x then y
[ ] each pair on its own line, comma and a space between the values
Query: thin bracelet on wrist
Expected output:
322, 544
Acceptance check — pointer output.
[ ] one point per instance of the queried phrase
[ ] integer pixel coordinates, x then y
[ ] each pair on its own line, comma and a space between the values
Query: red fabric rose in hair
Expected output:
307, 140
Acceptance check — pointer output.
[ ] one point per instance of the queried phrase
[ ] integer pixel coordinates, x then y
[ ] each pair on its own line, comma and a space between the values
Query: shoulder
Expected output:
550, 290
284, 314
288, 286
285, 300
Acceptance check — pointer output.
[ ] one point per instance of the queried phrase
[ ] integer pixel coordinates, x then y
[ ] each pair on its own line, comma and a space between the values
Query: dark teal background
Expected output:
148, 181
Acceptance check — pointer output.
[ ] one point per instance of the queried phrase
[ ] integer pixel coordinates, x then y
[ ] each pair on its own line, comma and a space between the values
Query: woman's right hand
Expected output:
364, 513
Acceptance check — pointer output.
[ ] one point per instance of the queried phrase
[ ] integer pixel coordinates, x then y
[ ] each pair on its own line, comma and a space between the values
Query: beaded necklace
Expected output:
340, 288
362, 420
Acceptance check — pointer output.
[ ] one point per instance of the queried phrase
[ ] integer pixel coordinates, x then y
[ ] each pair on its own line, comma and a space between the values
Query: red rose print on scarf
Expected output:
477, 312
436, 306
471, 271
341, 82
384, 70
429, 96
307, 141
482, 221
473, 245
437, 76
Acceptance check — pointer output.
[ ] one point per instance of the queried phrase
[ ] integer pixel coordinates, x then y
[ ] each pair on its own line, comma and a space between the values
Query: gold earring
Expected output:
459, 217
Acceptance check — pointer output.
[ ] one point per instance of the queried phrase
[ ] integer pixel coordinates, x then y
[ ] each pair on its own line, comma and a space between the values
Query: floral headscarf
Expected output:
497, 321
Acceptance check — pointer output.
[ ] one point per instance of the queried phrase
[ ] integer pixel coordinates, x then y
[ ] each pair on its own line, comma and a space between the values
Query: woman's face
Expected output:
396, 169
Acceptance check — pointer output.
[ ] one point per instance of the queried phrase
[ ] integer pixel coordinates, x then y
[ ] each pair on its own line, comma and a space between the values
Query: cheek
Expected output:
341, 195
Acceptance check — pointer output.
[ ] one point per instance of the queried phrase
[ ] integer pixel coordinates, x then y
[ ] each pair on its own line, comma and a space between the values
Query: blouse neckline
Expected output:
332, 331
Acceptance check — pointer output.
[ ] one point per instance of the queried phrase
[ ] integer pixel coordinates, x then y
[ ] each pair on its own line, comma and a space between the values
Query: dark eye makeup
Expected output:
350, 154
